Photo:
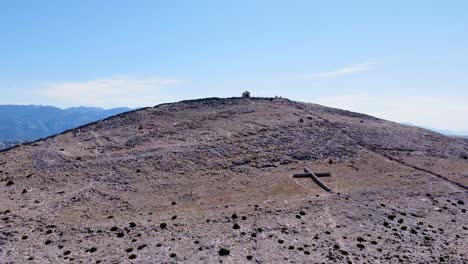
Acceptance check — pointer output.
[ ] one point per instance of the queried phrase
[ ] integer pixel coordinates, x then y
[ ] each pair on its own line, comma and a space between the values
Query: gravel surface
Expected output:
210, 181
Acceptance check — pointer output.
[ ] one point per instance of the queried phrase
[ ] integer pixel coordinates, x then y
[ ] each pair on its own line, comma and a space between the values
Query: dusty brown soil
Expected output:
210, 181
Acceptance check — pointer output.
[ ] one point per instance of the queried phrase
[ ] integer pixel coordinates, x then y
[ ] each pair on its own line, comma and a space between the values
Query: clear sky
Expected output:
405, 61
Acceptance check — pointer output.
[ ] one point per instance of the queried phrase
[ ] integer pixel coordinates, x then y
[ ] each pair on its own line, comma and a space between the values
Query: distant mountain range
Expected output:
462, 134
21, 123
4, 144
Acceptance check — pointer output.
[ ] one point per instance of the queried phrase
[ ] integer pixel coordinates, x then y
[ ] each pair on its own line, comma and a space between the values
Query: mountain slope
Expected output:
180, 182
30, 122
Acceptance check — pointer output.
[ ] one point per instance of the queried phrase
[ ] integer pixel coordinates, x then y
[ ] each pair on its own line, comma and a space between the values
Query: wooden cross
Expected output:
315, 177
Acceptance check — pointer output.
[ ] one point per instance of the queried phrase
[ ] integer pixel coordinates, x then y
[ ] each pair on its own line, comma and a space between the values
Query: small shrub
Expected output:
224, 252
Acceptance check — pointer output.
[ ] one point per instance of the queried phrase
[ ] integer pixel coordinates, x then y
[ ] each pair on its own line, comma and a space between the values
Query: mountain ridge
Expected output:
22, 123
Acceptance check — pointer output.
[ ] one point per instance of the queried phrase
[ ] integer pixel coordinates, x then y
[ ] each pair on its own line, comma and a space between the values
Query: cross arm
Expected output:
308, 174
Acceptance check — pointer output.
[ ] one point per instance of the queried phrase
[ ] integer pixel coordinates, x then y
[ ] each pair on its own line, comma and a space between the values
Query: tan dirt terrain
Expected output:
210, 181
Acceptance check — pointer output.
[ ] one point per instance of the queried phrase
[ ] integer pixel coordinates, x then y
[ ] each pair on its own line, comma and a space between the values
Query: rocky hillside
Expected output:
211, 181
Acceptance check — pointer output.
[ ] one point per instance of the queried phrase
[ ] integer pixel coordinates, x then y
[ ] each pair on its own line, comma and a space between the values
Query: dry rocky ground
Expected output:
210, 181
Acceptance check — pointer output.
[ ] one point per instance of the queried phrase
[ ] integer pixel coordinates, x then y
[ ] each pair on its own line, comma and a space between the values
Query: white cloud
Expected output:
109, 92
437, 112
352, 69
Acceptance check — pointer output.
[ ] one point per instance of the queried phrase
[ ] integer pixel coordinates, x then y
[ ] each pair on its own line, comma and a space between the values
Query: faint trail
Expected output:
298, 182
337, 234
376, 150
459, 184
90, 186
326, 211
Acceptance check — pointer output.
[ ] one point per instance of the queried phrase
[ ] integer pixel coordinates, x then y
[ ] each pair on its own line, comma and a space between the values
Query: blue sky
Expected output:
405, 61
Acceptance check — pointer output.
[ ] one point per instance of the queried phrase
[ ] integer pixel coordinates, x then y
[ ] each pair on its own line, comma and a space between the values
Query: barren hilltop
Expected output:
211, 181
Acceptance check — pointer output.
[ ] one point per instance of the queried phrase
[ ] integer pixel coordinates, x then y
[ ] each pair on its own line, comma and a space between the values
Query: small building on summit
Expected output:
246, 94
